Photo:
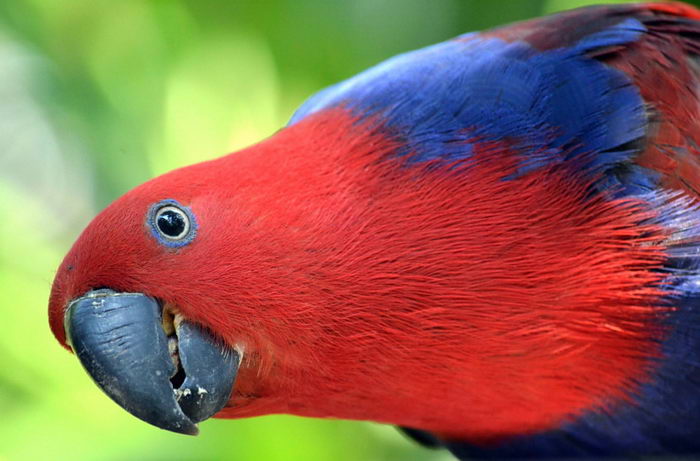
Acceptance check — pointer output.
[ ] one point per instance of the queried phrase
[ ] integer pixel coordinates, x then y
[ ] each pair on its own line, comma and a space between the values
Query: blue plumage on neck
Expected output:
552, 106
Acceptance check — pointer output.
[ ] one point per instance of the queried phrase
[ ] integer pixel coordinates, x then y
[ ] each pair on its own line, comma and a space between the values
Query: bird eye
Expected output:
172, 224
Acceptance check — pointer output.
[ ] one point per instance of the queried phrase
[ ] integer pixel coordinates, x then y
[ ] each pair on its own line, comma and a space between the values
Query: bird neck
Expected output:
385, 290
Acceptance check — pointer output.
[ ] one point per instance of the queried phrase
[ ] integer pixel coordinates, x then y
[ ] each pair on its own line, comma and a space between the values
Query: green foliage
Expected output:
97, 96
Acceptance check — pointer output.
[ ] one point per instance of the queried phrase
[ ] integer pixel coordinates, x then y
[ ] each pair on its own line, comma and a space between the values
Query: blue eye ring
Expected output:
166, 211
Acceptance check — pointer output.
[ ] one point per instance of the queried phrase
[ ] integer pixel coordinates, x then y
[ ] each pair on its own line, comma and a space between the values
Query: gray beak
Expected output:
120, 341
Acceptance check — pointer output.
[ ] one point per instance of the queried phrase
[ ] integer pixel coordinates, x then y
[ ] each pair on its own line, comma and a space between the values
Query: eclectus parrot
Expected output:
492, 243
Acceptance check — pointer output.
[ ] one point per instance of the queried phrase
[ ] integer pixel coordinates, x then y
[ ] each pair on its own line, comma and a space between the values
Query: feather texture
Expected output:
494, 240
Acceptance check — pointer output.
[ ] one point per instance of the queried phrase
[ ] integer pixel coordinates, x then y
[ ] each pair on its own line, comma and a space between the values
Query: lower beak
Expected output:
120, 341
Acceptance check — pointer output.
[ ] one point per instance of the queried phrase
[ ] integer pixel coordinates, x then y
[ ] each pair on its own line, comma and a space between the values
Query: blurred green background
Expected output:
97, 96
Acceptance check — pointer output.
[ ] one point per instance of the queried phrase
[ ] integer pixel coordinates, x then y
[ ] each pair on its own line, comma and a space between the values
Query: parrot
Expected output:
491, 243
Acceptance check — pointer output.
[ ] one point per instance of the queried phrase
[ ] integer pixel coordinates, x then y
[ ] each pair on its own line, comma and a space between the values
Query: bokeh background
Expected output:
96, 96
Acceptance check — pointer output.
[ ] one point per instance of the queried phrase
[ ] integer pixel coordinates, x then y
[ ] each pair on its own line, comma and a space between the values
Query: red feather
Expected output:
433, 297
439, 297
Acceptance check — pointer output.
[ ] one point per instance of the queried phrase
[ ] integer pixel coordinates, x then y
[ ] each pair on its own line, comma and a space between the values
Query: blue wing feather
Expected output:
550, 104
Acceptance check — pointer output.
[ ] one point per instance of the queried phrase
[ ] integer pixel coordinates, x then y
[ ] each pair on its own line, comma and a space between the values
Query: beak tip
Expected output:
188, 429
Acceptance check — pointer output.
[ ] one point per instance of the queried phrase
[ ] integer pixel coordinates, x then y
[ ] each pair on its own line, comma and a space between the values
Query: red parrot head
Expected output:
329, 278
212, 272
126, 300
486, 239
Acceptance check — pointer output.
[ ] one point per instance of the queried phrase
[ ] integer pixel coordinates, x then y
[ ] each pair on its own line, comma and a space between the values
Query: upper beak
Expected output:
120, 341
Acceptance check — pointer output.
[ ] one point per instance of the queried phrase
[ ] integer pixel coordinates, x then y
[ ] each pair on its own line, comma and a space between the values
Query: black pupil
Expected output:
171, 223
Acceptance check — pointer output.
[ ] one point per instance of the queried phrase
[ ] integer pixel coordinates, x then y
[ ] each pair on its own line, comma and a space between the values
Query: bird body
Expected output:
494, 240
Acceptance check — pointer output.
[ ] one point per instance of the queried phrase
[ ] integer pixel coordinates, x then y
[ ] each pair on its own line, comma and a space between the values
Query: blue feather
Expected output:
553, 106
